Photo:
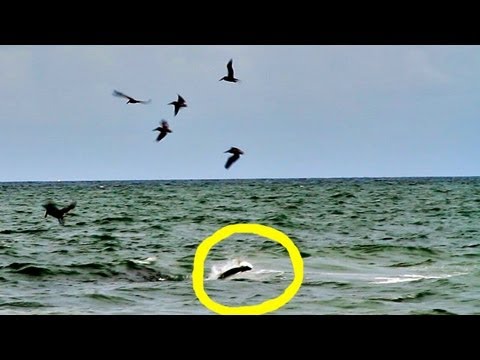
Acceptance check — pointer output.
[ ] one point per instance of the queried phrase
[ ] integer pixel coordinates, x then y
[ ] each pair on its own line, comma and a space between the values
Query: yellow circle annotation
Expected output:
260, 230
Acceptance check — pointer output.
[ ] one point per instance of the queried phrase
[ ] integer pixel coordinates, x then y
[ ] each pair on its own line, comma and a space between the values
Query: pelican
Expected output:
130, 99
178, 104
52, 210
236, 155
164, 130
230, 77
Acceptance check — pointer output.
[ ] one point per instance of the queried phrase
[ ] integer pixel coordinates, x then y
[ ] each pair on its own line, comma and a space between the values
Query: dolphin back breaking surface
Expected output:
228, 269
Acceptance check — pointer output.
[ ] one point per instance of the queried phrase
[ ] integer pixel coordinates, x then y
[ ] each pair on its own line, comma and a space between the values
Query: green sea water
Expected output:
369, 246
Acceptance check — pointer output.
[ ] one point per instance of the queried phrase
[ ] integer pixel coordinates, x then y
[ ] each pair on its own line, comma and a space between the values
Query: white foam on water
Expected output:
147, 261
409, 277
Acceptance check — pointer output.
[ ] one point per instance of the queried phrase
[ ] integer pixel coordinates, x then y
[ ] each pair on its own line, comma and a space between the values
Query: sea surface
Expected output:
368, 245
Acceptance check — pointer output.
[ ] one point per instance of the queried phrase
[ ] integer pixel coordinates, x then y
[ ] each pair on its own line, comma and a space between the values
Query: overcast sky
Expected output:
299, 111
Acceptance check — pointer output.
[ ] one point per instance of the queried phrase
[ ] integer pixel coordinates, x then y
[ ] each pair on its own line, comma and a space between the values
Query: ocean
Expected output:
381, 246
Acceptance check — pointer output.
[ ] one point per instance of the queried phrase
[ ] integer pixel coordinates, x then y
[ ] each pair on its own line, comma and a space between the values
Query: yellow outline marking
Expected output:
260, 230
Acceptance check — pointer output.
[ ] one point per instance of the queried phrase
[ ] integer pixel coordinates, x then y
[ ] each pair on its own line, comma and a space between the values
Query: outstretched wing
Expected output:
69, 207
145, 102
161, 135
50, 208
231, 160
181, 100
177, 107
230, 68
118, 93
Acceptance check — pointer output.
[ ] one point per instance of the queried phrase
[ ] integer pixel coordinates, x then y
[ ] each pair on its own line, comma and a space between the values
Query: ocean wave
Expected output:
410, 297
22, 304
110, 219
108, 298
410, 277
433, 312
28, 269
23, 231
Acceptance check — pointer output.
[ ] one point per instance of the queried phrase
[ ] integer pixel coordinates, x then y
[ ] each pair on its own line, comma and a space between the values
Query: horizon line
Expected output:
262, 178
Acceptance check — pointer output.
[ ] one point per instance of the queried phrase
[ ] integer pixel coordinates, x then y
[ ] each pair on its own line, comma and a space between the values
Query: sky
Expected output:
313, 111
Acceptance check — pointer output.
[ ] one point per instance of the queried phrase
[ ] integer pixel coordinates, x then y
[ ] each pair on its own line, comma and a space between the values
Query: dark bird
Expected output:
236, 155
230, 77
164, 130
130, 99
52, 210
178, 104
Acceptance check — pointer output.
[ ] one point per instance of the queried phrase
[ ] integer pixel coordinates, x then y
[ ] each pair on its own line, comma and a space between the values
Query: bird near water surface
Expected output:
130, 99
52, 210
236, 155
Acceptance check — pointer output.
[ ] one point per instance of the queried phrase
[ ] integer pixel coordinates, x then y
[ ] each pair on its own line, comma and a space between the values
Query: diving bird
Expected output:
130, 99
236, 155
230, 77
178, 104
164, 130
52, 210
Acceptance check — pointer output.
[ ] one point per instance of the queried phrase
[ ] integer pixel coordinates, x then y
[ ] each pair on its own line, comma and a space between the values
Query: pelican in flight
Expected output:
163, 130
178, 104
236, 155
52, 210
230, 77
130, 99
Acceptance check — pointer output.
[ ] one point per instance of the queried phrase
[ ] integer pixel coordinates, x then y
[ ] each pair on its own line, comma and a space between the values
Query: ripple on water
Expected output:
386, 239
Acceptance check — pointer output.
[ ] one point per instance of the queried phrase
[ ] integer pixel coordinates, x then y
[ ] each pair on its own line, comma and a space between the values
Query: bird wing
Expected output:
118, 93
69, 207
145, 102
181, 100
161, 135
231, 160
49, 206
177, 107
230, 68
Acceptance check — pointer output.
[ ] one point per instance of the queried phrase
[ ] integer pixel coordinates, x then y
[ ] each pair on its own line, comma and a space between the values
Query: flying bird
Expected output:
236, 155
130, 99
178, 104
164, 130
230, 77
52, 210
